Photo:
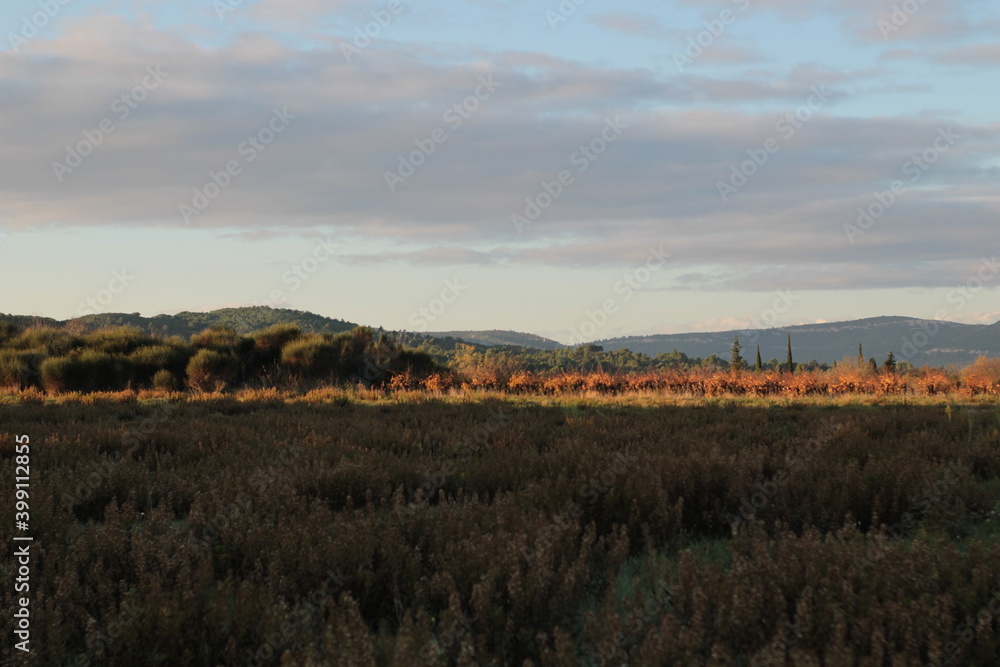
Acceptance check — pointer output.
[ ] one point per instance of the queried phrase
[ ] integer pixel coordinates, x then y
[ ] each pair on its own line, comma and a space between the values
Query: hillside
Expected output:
243, 320
498, 337
918, 341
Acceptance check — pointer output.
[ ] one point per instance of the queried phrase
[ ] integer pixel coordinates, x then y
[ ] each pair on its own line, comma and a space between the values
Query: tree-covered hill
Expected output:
186, 324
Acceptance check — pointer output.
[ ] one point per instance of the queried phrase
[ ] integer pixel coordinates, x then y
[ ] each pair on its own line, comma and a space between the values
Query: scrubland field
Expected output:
344, 527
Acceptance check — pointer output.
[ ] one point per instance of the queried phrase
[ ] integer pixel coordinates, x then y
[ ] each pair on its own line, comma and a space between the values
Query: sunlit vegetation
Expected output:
285, 357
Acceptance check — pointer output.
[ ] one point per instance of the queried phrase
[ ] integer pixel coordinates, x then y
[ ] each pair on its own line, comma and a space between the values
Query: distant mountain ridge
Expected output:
922, 342
499, 337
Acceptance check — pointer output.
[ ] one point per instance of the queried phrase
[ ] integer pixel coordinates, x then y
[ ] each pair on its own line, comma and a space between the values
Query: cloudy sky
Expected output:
643, 167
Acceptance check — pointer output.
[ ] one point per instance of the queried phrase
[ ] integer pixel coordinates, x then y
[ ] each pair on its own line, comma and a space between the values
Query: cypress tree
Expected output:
890, 363
760, 366
791, 365
736, 361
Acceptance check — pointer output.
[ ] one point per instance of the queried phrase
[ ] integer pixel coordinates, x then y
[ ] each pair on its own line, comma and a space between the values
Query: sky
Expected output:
579, 169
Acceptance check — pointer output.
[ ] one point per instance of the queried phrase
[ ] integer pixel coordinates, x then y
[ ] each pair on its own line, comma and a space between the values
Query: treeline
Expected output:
580, 359
114, 359
57, 359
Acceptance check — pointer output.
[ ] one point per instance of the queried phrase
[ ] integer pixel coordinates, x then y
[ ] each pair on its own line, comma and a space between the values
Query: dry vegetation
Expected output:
980, 378
375, 527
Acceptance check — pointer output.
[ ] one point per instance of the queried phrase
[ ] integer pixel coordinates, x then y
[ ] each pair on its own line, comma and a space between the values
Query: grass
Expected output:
409, 528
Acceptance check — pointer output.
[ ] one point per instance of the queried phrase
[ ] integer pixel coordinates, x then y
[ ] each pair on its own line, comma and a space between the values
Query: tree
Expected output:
861, 358
890, 363
873, 364
736, 362
759, 366
791, 364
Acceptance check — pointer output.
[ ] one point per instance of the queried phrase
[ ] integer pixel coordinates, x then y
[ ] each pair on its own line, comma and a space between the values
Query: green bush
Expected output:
220, 339
312, 356
49, 340
87, 371
153, 358
118, 340
164, 380
21, 369
273, 339
210, 370
8, 330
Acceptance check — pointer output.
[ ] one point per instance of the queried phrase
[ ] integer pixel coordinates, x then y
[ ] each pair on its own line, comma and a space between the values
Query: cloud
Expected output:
880, 21
976, 54
633, 23
353, 122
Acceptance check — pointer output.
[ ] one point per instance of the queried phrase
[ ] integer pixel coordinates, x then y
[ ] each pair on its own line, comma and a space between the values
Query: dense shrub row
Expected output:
221, 530
283, 356
114, 359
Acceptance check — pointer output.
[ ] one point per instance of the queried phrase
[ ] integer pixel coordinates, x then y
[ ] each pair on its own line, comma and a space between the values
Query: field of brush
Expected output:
379, 528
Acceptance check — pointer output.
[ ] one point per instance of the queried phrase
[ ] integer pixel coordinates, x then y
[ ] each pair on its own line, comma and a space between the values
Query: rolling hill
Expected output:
497, 337
922, 342
185, 324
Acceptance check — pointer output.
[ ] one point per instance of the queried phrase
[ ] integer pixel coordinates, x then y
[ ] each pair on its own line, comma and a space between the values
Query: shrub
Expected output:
273, 339
315, 355
48, 340
118, 340
209, 370
86, 371
221, 339
21, 369
164, 380
983, 377
8, 330
151, 359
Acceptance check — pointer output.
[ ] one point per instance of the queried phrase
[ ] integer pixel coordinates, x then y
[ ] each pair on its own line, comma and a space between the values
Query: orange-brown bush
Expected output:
983, 377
